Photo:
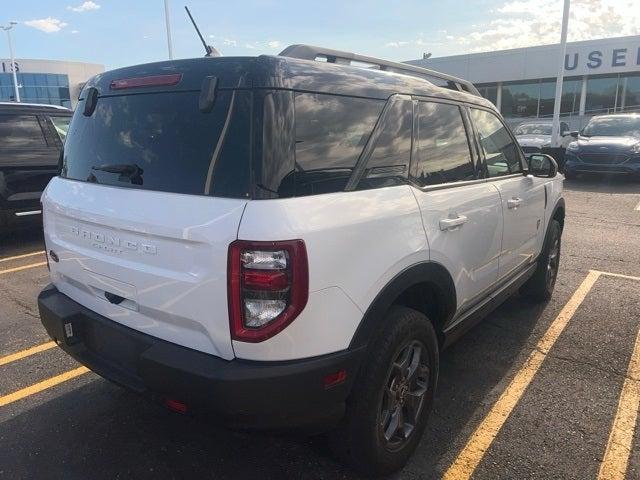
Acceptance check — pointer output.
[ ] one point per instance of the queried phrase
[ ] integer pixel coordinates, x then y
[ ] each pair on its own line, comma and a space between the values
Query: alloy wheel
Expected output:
553, 262
404, 395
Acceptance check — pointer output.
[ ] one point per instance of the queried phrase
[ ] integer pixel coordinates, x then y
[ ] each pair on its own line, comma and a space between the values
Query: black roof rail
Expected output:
309, 52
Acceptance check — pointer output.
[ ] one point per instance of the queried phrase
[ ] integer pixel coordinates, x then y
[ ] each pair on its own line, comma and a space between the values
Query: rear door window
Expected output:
330, 133
21, 131
162, 142
443, 153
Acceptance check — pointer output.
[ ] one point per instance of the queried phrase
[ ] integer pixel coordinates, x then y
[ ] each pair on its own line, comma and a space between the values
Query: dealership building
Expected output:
46, 81
600, 76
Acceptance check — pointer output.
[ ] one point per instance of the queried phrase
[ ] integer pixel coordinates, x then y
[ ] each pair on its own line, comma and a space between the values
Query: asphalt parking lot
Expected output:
532, 392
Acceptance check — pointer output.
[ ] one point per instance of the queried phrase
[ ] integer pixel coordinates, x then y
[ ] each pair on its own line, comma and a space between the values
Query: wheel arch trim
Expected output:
423, 272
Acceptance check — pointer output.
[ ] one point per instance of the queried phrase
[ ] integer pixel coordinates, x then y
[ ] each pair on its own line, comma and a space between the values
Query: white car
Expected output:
291, 243
535, 135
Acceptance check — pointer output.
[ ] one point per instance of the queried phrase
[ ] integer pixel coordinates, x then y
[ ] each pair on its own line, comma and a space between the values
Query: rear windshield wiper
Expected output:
127, 171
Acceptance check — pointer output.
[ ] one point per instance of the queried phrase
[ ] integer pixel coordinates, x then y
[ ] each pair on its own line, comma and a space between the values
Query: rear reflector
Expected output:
334, 378
150, 81
175, 405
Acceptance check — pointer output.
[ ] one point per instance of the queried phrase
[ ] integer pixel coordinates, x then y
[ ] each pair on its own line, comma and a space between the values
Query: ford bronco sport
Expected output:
290, 241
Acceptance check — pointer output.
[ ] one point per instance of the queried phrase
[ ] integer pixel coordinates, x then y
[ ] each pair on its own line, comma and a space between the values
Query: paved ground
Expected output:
554, 421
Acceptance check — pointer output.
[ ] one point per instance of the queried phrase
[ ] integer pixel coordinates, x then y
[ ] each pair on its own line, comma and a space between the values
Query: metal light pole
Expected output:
13, 61
166, 18
555, 130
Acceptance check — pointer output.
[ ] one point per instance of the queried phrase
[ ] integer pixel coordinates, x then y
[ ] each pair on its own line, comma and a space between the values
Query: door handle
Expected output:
452, 223
514, 203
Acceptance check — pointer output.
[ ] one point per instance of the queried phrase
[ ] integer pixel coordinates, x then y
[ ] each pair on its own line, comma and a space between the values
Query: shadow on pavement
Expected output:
604, 184
15, 242
98, 430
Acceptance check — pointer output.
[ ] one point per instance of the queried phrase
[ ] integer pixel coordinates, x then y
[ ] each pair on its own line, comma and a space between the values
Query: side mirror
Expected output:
574, 134
541, 165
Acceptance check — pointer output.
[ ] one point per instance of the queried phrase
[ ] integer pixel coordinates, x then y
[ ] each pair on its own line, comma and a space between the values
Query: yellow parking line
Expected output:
43, 385
17, 257
480, 441
618, 275
27, 352
616, 456
24, 267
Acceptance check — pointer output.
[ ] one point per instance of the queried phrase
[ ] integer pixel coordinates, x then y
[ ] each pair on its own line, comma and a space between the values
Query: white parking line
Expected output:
638, 206
25, 255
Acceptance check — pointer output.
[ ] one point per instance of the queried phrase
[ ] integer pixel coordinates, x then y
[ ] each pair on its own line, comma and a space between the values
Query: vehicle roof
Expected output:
538, 122
618, 115
34, 107
278, 72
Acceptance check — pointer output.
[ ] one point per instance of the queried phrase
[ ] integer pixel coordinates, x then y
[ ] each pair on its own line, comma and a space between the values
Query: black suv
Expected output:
31, 137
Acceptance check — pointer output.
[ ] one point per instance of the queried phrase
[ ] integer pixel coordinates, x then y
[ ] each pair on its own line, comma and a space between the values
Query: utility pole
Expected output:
13, 60
555, 130
166, 18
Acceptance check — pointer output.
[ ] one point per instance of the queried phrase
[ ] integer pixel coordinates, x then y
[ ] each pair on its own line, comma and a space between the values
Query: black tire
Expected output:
371, 415
540, 286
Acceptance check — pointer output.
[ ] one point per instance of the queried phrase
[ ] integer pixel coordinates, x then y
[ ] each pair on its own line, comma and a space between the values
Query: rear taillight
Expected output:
268, 286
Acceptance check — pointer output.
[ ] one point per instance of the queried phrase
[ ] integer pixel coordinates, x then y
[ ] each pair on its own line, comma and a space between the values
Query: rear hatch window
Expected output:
162, 141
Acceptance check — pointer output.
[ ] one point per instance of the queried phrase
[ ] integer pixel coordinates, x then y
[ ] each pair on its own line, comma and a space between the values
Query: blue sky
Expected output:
118, 32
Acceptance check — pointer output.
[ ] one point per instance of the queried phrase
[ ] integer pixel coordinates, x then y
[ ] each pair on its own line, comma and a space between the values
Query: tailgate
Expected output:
153, 261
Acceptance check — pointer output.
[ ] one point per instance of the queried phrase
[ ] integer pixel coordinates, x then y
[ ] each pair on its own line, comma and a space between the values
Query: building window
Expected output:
547, 98
631, 91
47, 88
571, 90
489, 91
601, 94
520, 99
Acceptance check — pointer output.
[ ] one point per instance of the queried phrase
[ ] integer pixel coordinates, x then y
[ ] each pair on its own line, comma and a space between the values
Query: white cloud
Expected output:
258, 45
84, 7
74, 31
396, 44
523, 23
47, 25
229, 42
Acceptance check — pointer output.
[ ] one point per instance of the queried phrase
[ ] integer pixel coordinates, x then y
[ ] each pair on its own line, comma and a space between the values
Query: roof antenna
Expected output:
211, 51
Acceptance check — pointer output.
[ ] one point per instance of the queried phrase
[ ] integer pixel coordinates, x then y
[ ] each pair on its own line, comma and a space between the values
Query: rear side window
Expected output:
500, 150
388, 163
330, 133
21, 131
162, 142
61, 126
443, 154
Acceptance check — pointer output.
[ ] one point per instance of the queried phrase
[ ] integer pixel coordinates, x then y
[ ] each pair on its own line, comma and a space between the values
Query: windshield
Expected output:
533, 129
61, 124
162, 142
613, 127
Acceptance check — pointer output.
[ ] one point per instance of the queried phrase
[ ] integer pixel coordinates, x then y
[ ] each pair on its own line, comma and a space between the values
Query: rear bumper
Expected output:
245, 394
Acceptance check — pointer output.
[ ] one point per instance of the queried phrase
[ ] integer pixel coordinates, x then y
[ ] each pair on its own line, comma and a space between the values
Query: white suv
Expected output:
290, 242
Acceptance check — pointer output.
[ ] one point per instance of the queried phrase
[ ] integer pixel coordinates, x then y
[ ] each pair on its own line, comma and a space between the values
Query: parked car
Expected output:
535, 135
289, 242
608, 144
31, 138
